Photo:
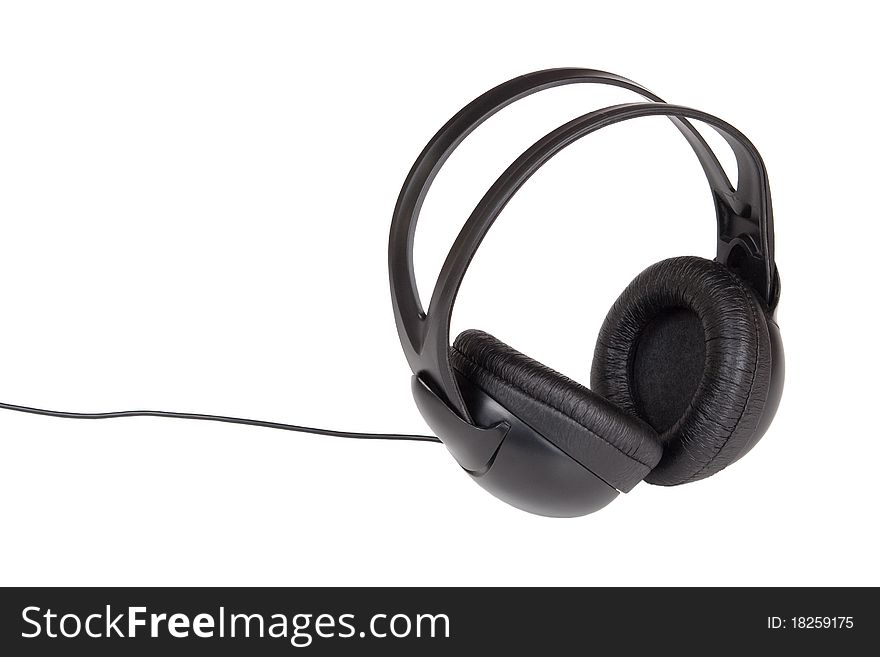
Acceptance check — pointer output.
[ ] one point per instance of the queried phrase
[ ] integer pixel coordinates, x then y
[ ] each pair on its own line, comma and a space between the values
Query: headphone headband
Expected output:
744, 215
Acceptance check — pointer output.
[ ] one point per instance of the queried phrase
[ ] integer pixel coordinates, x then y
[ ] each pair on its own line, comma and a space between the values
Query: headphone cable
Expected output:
221, 418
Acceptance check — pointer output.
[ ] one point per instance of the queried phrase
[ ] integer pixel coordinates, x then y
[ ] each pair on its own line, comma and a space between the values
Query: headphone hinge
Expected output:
739, 247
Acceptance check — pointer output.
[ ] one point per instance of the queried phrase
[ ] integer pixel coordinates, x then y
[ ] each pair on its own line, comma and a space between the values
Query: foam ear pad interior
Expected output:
686, 348
615, 446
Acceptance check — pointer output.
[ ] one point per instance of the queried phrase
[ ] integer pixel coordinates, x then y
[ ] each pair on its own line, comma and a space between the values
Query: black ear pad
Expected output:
686, 348
613, 445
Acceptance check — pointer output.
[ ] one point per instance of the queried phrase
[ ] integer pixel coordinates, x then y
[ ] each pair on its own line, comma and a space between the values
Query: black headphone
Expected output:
688, 368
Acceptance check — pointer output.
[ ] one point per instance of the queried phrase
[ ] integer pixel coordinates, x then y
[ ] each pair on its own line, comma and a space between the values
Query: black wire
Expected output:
220, 418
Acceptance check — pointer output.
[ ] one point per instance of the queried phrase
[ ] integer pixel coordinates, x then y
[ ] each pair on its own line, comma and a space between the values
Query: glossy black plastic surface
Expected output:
511, 460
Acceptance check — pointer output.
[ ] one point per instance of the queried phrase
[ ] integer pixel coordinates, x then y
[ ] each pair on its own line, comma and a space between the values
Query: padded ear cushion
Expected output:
687, 349
615, 446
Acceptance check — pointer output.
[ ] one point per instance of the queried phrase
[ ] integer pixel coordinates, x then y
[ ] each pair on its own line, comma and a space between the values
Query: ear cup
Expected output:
686, 348
615, 446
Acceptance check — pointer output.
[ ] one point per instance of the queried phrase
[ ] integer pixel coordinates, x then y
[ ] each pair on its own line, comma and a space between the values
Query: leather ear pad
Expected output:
687, 349
615, 446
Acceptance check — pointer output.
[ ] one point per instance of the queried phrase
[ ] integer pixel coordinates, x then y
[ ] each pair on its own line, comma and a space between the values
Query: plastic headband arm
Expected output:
431, 357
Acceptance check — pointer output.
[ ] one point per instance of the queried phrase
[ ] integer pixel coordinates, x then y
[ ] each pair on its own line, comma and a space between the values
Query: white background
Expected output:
195, 200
